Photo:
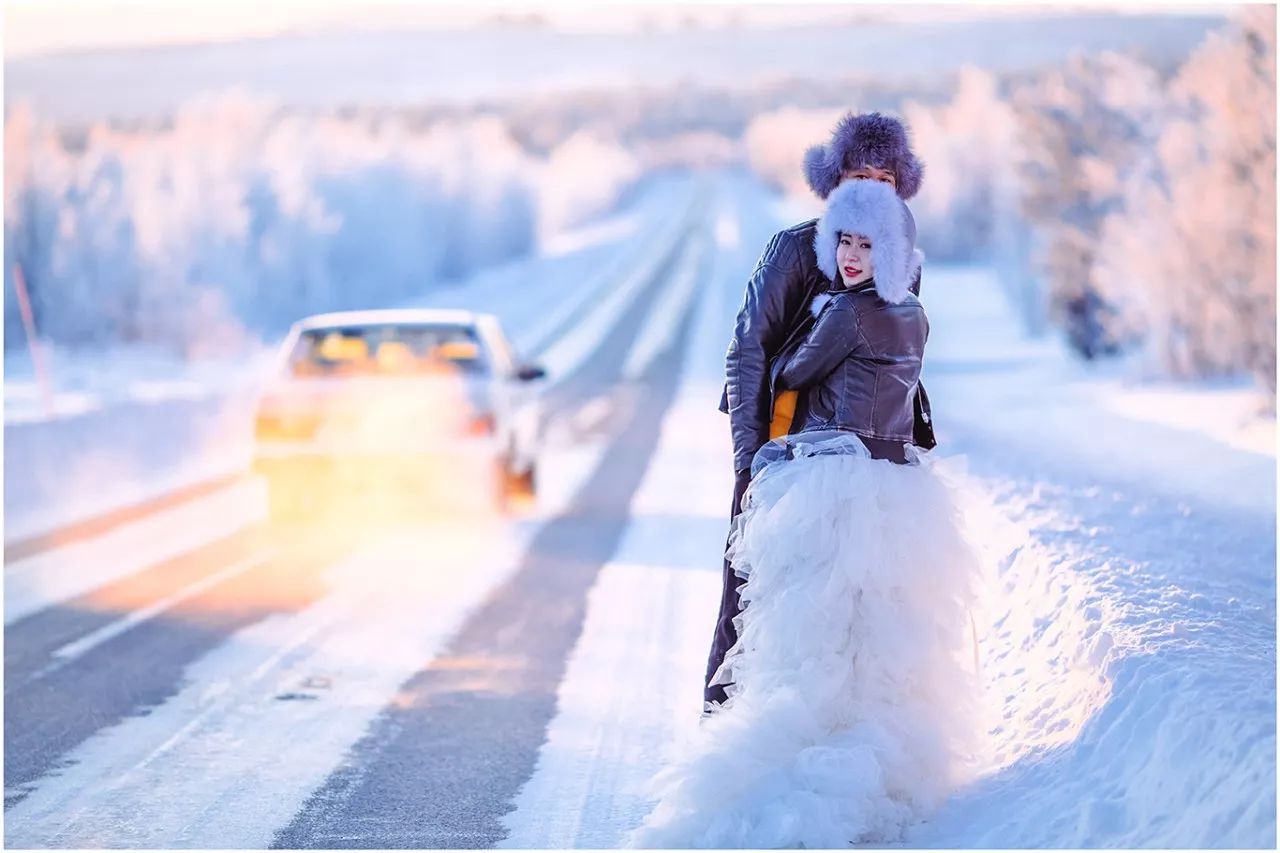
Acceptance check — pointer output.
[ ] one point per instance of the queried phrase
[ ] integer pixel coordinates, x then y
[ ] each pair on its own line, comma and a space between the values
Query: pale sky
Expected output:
34, 27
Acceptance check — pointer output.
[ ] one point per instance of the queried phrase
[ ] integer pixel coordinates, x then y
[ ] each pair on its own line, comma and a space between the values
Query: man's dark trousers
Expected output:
726, 634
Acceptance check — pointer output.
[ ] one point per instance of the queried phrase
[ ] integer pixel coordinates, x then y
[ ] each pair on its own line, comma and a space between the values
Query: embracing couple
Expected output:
837, 706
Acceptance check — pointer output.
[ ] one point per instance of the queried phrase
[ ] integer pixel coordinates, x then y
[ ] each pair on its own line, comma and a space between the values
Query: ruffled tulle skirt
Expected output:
851, 709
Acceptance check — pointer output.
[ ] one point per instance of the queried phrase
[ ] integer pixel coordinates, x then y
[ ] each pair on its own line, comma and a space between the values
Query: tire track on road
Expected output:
129, 674
30, 642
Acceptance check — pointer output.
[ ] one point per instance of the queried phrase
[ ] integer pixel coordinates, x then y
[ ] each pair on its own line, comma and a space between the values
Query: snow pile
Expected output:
86, 379
1128, 636
1240, 411
1127, 708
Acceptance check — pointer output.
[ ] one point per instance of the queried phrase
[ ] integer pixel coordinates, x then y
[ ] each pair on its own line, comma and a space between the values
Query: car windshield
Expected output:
388, 349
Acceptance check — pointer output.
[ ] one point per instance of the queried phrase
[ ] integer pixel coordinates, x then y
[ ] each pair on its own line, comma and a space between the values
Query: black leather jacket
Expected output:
774, 318
859, 365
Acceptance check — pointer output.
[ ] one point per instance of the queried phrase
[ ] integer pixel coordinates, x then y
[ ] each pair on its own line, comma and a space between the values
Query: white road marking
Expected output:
574, 300
77, 648
632, 692
63, 573
664, 321
570, 350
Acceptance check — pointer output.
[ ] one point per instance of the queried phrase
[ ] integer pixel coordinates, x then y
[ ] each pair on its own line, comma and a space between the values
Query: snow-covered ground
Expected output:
1130, 636
1126, 634
1231, 413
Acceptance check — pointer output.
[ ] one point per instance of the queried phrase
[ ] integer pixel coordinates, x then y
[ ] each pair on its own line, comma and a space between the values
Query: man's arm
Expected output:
775, 289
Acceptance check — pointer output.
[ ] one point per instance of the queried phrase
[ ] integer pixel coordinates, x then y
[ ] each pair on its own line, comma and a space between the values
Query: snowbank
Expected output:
1128, 640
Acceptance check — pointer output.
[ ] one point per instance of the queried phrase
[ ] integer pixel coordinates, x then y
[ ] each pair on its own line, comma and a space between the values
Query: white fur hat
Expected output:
872, 209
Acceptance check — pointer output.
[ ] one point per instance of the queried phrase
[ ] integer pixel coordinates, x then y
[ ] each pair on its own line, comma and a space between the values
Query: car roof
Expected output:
425, 316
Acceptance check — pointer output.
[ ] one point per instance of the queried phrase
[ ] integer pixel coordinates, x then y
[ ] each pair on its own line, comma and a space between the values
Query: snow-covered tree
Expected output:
236, 218
580, 179
775, 143
1191, 257
35, 168
967, 144
1083, 128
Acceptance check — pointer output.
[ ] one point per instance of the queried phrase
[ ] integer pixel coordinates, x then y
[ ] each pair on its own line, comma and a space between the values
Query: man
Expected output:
870, 146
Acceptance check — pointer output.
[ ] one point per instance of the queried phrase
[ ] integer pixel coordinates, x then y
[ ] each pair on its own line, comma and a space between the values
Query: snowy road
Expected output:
514, 684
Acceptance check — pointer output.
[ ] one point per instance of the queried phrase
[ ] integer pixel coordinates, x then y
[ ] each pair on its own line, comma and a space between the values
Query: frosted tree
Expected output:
968, 209
96, 265
581, 178
775, 143
35, 174
1083, 127
967, 145
237, 218
289, 227
1191, 258
491, 186
188, 190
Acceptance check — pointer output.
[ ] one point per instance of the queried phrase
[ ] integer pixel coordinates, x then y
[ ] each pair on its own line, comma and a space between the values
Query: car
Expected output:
432, 403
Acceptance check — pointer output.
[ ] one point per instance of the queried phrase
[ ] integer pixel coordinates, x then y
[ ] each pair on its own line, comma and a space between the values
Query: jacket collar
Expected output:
869, 284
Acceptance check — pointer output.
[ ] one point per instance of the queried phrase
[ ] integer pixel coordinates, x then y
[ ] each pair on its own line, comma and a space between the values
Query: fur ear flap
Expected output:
825, 240
820, 171
917, 263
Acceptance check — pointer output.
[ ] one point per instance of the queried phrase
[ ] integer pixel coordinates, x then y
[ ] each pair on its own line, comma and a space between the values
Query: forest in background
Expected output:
1127, 201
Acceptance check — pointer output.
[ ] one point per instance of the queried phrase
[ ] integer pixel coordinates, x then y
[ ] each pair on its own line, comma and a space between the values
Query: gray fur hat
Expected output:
868, 139
871, 209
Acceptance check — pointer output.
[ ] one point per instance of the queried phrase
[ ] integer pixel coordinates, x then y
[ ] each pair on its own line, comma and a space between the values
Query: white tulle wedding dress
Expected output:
851, 692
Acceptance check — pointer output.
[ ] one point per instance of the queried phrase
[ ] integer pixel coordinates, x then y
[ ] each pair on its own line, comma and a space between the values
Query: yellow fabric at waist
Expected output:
784, 410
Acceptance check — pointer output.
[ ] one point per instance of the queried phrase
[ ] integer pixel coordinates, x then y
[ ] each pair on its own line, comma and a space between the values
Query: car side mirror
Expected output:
530, 372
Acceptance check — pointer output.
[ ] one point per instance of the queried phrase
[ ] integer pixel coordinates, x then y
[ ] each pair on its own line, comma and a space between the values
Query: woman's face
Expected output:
853, 258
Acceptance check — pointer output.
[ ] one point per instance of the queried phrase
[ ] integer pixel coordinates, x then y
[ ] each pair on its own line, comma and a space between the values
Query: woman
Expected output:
849, 711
